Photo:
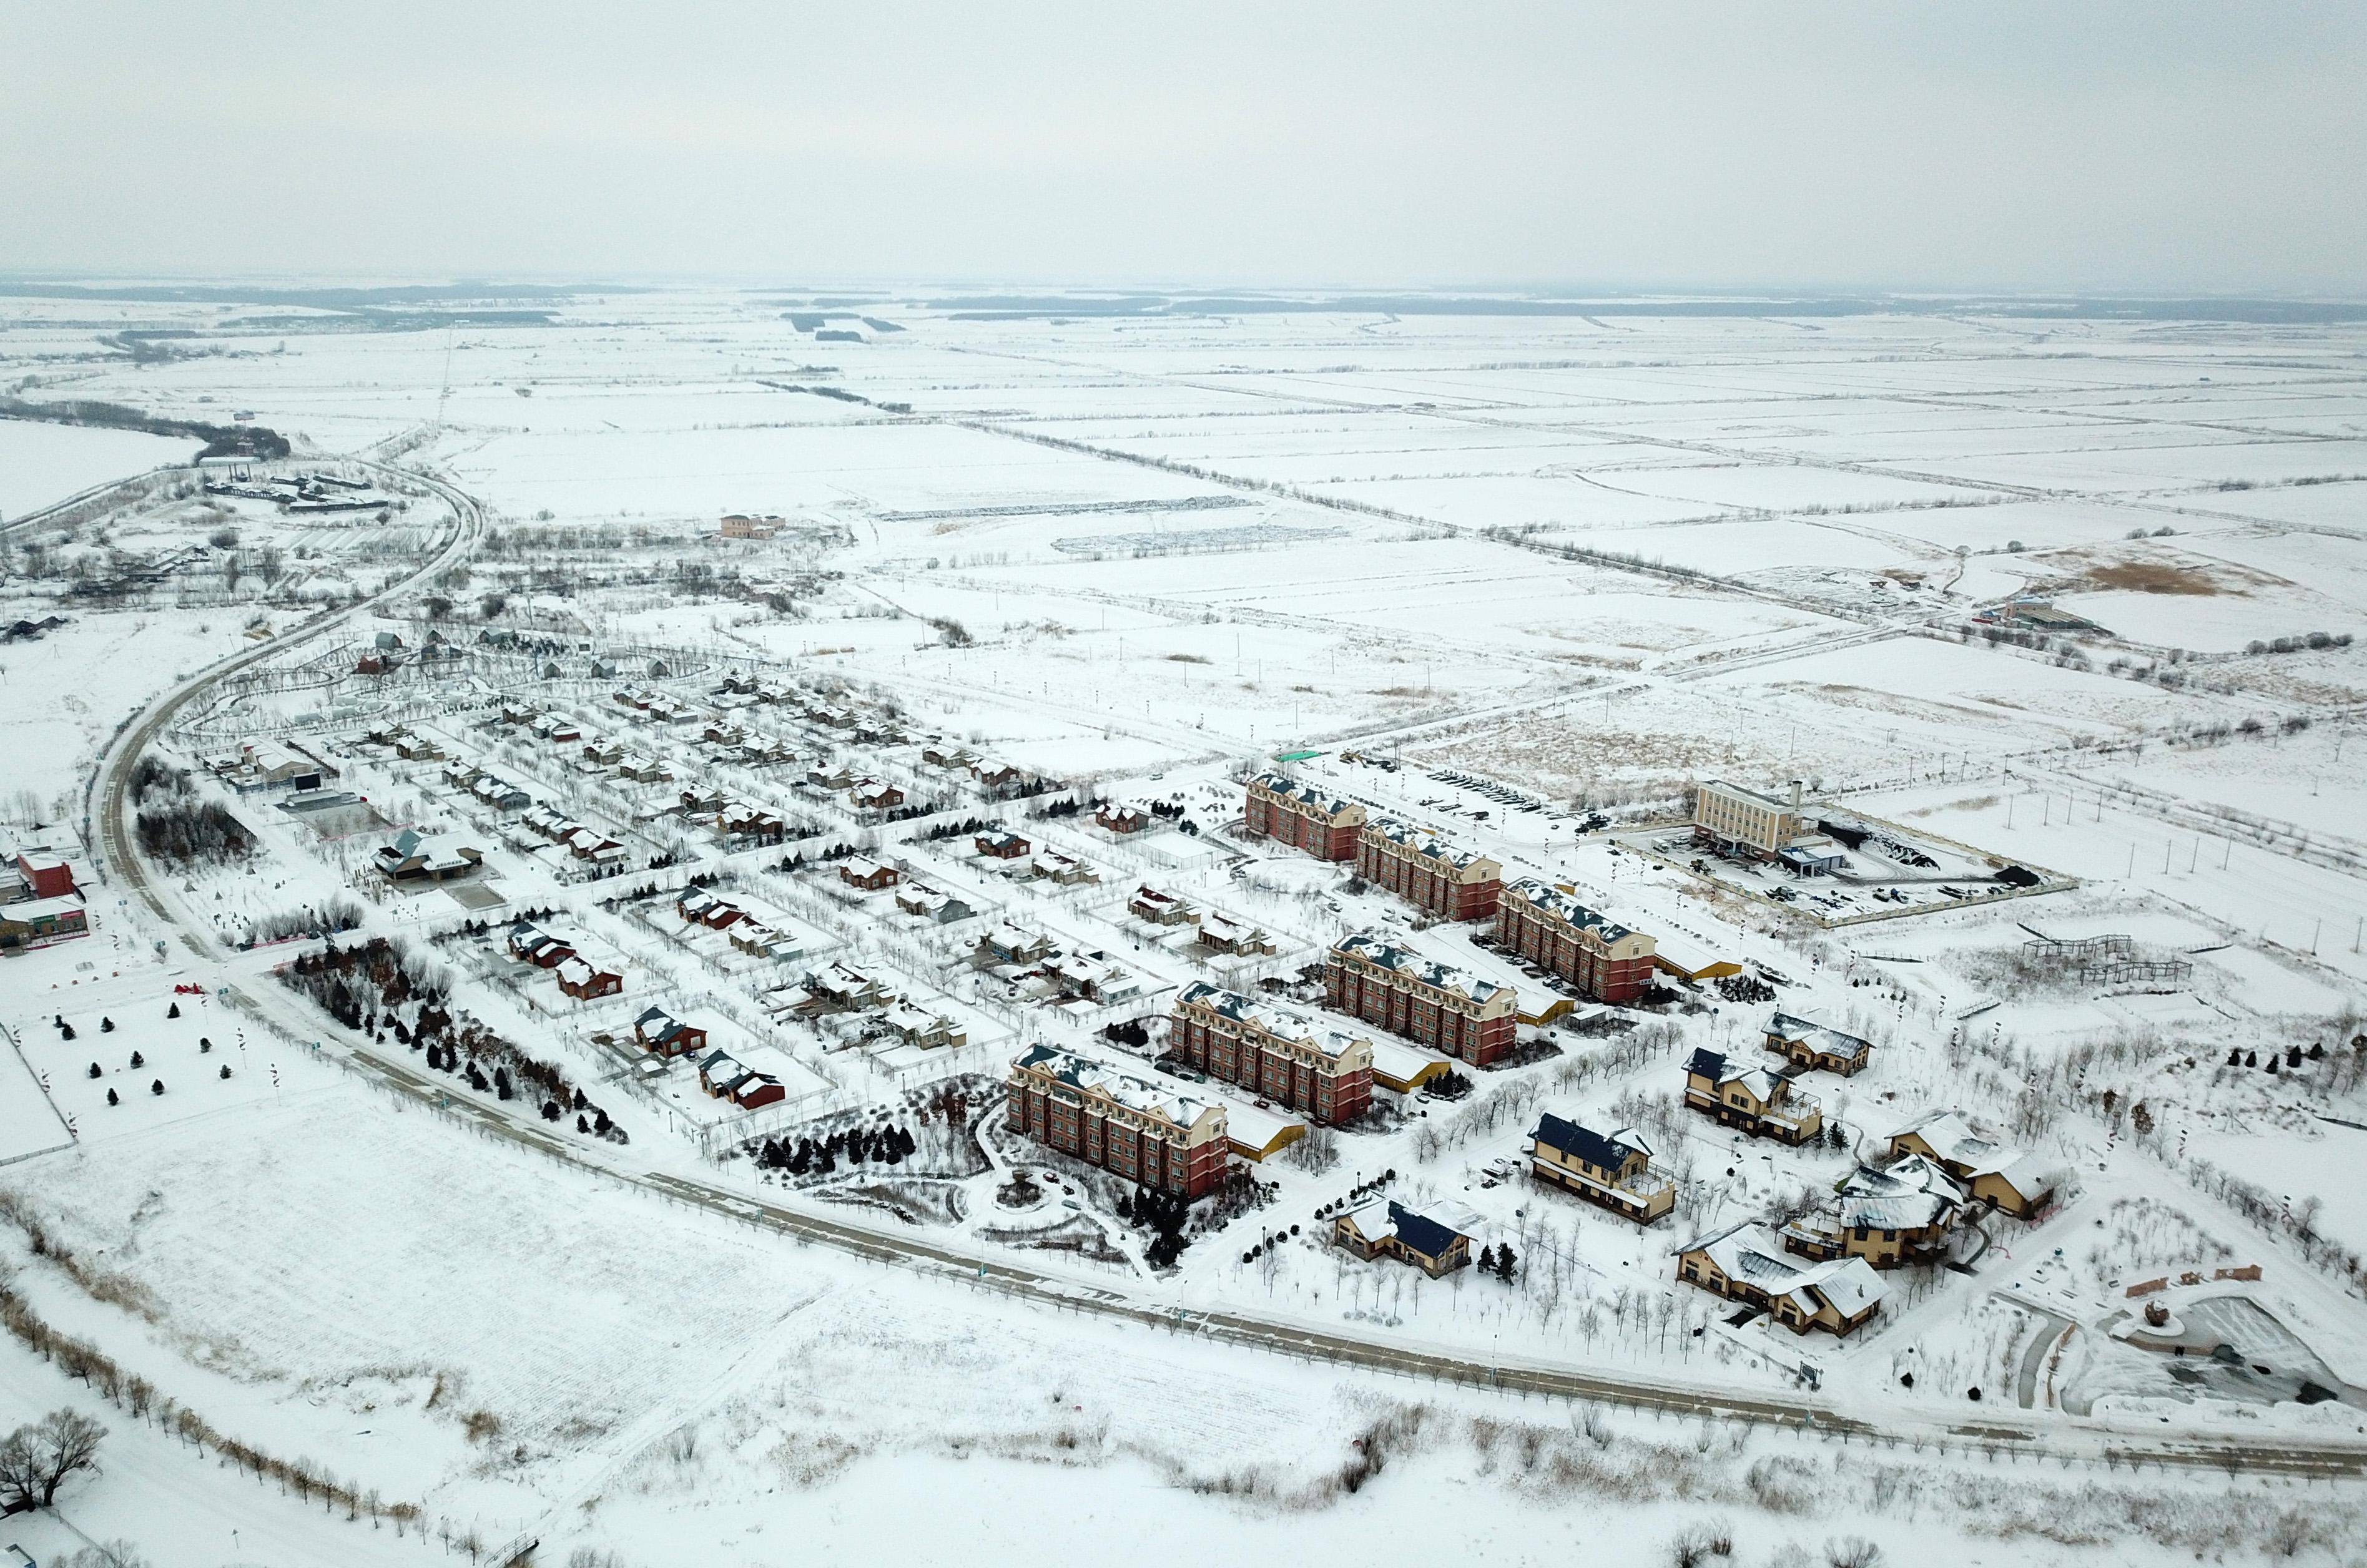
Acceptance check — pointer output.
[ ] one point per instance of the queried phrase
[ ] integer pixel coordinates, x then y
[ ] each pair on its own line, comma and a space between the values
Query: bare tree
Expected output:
35, 1461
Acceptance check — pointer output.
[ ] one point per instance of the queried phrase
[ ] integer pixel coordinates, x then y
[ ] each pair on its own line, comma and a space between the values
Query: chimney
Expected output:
1795, 796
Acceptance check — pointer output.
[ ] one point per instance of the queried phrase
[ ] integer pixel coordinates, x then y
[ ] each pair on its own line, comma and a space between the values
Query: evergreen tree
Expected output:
1487, 1260
137, 1061
581, 1124
65, 1031
156, 1088
1504, 1262
225, 1071
500, 1083
94, 1070
111, 1099
172, 1011
105, 1025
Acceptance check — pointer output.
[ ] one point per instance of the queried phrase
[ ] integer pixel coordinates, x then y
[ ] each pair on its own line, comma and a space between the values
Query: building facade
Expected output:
1273, 1051
1742, 821
1427, 870
1436, 1004
1128, 1126
1550, 928
1613, 1169
1758, 1102
1303, 817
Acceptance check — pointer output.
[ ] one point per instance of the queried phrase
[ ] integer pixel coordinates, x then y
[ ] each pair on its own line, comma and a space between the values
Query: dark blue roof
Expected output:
1584, 1142
1423, 1234
1708, 1064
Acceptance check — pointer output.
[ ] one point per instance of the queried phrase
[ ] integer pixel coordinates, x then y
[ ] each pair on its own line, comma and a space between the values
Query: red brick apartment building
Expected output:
1549, 927
1303, 817
1273, 1051
1426, 869
1436, 1004
1128, 1126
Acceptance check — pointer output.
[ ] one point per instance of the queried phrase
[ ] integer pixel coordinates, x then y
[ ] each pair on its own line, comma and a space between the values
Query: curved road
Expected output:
2052, 1436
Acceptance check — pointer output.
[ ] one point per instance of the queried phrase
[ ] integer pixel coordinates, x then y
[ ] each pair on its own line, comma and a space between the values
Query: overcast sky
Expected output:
2153, 147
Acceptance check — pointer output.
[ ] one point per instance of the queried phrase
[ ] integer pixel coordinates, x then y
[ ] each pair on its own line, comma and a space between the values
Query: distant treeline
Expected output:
221, 441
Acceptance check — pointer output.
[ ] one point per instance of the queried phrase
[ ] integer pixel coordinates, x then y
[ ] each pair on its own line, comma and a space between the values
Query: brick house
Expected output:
1806, 1044
1141, 1131
1222, 933
869, 874
1272, 1050
1746, 1263
1160, 909
1613, 1169
1549, 928
1302, 815
1428, 871
1008, 944
659, 1031
1116, 818
725, 1077
48, 875
1758, 1102
529, 941
1448, 1009
586, 981
872, 795
1002, 845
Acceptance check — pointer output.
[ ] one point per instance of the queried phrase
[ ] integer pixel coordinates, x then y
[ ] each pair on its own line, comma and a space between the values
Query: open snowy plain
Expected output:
2068, 591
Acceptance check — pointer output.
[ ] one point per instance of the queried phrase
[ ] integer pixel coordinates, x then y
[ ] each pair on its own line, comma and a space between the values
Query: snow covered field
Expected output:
1524, 580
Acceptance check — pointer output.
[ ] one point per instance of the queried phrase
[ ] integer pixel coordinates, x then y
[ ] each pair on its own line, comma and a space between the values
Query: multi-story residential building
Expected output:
1758, 1101
1807, 1044
1746, 1263
1302, 815
2021, 1184
1272, 1050
1428, 870
1902, 1213
1436, 1004
1550, 928
1142, 1131
1610, 1169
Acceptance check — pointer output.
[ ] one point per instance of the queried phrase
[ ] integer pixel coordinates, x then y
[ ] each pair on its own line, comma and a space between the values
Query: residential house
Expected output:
725, 1077
1387, 1228
659, 1031
1746, 1263
1222, 933
1613, 1169
1116, 818
1758, 1101
1807, 1045
846, 989
1002, 845
2021, 1184
1010, 945
1901, 1214
532, 945
437, 857
930, 903
1160, 908
586, 981
931, 1031
872, 795
867, 874
1051, 865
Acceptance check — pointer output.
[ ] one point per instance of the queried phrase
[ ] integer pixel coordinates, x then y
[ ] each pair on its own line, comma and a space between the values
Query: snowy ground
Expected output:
1576, 568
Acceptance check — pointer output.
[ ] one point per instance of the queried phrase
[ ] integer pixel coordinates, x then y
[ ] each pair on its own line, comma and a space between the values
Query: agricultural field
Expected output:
575, 855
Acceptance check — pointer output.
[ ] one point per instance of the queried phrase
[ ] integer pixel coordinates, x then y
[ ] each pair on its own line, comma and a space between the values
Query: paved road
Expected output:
2048, 1437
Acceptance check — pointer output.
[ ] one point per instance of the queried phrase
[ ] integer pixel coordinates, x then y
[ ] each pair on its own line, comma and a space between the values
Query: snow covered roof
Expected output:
1565, 906
1308, 795
1286, 1023
1378, 950
1822, 1038
1954, 1143
1138, 1094
1752, 1253
1427, 843
1609, 1150
1910, 1194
